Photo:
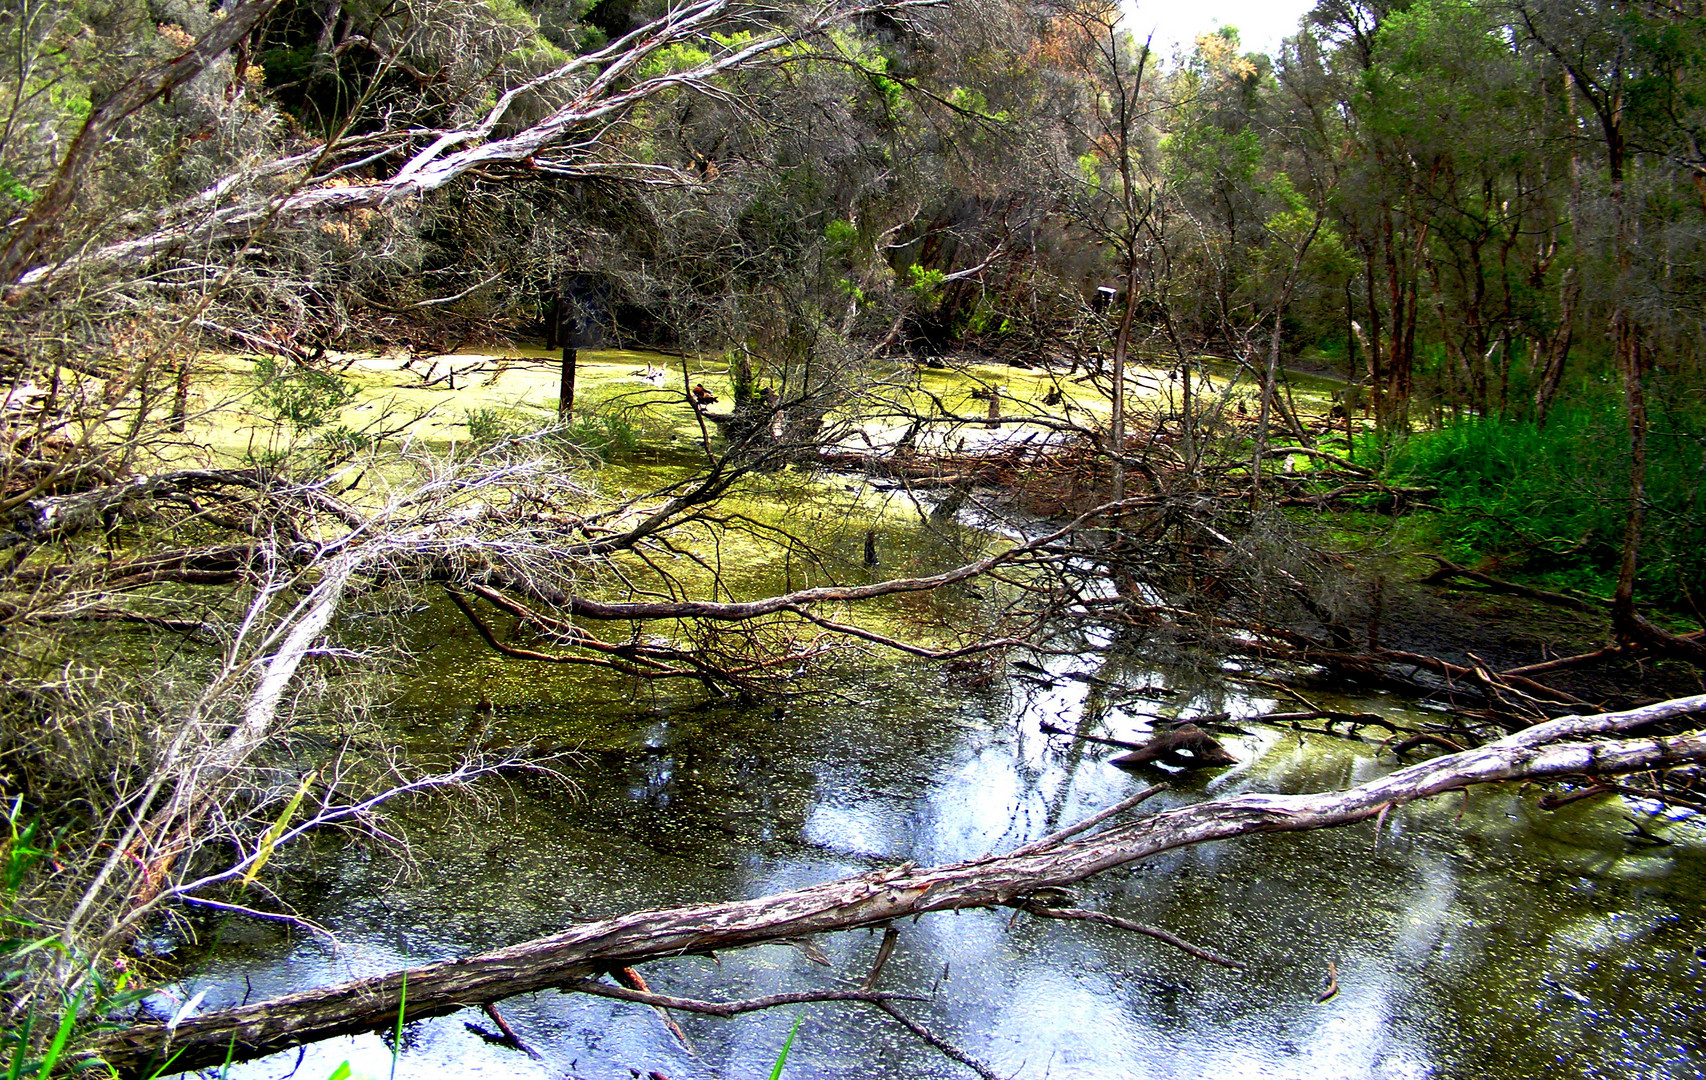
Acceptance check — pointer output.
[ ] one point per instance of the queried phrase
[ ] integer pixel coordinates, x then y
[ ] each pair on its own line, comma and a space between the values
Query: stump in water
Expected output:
994, 407
1186, 746
955, 499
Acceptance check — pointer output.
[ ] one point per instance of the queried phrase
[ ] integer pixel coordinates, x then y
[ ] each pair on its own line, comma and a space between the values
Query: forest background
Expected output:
1483, 218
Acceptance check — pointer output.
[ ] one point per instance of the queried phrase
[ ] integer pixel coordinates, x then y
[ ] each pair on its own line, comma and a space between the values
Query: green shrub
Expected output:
595, 433
487, 427
604, 435
341, 441
1553, 500
301, 396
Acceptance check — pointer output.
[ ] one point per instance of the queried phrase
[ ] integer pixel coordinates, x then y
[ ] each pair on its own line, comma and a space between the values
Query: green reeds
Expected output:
397, 1036
787, 1045
1551, 503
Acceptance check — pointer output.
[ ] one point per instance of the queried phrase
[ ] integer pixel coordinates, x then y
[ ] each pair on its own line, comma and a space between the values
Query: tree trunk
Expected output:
1116, 416
1630, 356
566, 387
1067, 857
1269, 371
1188, 428
1557, 348
1631, 362
181, 397
1376, 360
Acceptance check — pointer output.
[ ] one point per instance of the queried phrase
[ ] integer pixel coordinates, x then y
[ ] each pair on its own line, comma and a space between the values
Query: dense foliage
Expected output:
1486, 218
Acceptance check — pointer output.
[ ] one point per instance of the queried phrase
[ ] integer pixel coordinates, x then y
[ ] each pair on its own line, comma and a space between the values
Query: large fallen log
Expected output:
1448, 571
1562, 747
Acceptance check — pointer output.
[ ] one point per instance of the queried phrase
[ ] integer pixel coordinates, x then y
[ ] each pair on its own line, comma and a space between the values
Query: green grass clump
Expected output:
604, 435
1549, 503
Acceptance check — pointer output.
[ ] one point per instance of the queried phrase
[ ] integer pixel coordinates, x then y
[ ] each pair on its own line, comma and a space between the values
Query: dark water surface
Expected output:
1477, 938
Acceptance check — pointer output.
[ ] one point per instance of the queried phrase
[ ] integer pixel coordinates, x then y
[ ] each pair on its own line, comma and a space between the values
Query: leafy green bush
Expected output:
301, 396
1551, 501
595, 433
487, 427
342, 441
604, 435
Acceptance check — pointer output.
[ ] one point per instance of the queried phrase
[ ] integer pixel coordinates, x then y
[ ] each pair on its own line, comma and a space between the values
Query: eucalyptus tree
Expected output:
1379, 191
1481, 129
1444, 141
1634, 70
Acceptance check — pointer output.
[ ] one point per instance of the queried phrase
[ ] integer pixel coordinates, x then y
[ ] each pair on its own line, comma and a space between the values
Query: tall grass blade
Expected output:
270, 840
230, 1052
61, 1037
787, 1044
16, 1069
397, 1036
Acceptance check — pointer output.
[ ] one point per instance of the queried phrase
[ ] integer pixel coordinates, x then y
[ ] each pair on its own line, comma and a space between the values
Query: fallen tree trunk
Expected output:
40, 520
563, 960
1449, 570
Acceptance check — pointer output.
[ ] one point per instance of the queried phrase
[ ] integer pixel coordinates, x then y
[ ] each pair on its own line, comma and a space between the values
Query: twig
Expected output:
1332, 717
884, 951
1658, 795
633, 980
1332, 990
727, 1009
947, 1048
1610, 652
1051, 729
275, 916
491, 1010
1426, 739
1056, 839
1086, 915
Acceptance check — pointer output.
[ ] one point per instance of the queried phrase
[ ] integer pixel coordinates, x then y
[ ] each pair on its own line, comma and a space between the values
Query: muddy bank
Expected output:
1387, 601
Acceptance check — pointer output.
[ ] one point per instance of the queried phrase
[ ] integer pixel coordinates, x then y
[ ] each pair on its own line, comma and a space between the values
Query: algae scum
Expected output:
1473, 937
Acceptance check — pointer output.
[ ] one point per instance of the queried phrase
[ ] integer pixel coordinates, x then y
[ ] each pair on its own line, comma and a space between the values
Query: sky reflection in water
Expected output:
1507, 943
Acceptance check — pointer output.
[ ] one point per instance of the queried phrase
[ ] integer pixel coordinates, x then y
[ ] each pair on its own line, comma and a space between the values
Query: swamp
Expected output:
642, 540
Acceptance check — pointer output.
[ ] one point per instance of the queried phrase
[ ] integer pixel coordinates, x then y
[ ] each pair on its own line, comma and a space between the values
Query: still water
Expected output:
1476, 937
